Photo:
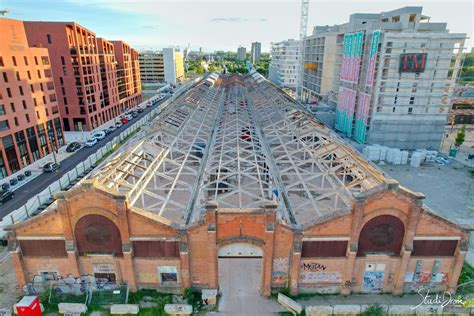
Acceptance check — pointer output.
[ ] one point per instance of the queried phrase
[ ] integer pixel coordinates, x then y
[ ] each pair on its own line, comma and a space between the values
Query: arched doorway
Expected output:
240, 277
381, 237
96, 235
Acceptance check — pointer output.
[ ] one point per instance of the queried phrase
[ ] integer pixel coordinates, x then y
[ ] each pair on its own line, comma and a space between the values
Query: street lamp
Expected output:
51, 145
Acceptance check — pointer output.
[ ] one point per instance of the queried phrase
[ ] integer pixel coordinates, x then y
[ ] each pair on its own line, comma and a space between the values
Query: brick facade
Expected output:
282, 263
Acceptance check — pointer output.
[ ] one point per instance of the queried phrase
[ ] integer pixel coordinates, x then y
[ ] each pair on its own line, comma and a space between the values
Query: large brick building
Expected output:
96, 80
30, 126
211, 181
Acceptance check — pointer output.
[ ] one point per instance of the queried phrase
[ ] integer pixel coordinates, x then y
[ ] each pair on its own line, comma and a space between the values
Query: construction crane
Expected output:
303, 27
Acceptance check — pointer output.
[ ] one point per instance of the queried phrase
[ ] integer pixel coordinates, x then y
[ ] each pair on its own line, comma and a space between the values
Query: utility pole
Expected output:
303, 27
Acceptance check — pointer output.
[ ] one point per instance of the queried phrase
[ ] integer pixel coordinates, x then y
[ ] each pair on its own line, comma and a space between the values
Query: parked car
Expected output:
91, 142
6, 195
134, 114
50, 167
111, 129
140, 109
99, 135
148, 104
129, 117
72, 147
124, 120
118, 124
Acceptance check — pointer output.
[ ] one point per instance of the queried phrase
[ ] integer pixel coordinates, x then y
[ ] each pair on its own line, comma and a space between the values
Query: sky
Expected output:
220, 24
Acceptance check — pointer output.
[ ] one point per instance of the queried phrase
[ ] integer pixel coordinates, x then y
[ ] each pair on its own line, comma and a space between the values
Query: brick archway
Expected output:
240, 240
97, 234
381, 234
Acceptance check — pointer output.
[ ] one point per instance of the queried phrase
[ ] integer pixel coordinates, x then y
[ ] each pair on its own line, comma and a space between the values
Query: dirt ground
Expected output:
8, 286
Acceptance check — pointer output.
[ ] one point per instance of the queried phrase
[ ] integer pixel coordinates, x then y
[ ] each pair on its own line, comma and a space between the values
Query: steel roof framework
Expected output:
238, 143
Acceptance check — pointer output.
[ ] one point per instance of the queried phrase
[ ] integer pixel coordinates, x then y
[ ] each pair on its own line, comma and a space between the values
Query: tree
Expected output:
460, 136
200, 69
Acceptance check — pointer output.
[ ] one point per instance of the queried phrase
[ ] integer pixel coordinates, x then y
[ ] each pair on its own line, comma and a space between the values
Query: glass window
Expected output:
21, 144
10, 152
3, 169
42, 139
33, 143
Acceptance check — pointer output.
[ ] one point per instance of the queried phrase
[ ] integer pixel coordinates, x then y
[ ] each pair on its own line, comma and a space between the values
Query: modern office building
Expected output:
394, 75
235, 177
152, 70
30, 126
76, 66
158, 67
255, 52
285, 66
241, 53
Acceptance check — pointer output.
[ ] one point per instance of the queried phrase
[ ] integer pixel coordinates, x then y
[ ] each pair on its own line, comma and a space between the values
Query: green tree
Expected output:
200, 69
461, 135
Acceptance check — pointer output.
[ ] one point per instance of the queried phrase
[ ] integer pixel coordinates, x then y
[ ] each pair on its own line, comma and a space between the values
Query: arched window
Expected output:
381, 235
96, 234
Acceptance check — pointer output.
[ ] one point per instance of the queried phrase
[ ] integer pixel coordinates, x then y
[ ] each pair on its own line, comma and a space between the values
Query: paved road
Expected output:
35, 186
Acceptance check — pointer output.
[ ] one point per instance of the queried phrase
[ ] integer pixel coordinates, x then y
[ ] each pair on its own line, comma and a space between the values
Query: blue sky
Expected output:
223, 24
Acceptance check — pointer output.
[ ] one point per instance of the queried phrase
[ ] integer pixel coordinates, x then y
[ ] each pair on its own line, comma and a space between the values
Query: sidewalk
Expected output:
36, 168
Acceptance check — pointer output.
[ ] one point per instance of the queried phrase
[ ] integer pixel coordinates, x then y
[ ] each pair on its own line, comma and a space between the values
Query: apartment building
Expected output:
165, 66
108, 76
30, 125
394, 73
241, 53
256, 52
284, 69
128, 75
76, 65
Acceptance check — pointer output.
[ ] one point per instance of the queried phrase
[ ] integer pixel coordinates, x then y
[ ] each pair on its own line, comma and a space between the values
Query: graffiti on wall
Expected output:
422, 279
315, 272
280, 270
320, 277
373, 281
313, 266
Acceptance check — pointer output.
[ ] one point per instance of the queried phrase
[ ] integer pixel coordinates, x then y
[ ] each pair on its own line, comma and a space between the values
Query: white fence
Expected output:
45, 197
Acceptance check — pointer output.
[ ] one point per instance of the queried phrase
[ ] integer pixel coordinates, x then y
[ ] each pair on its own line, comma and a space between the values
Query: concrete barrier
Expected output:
429, 310
5, 312
401, 310
347, 309
289, 303
123, 309
178, 309
72, 308
318, 310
